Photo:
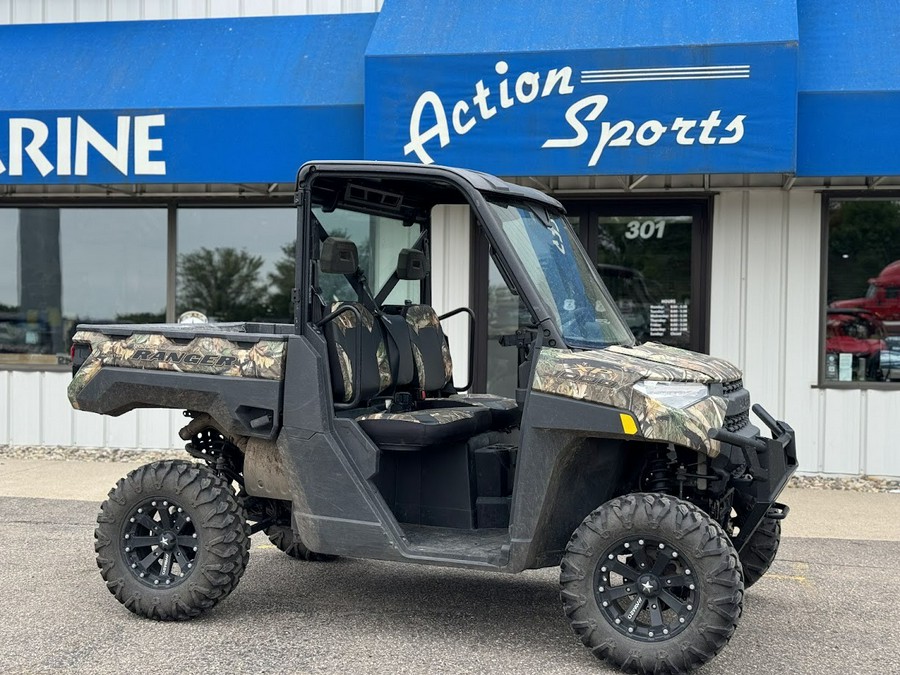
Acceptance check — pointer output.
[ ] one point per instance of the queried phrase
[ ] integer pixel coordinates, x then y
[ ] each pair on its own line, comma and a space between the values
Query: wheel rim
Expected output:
160, 543
646, 589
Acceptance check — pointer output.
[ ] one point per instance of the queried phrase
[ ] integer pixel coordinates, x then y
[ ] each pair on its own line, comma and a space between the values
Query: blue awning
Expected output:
849, 93
588, 87
181, 101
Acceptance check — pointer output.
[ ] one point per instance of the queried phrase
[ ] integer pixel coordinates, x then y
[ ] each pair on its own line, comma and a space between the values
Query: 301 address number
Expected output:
648, 229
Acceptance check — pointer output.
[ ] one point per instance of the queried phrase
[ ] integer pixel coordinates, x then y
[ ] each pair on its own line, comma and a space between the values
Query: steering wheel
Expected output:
581, 322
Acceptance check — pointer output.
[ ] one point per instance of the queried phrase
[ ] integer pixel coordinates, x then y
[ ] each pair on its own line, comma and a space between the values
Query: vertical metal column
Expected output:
301, 294
171, 262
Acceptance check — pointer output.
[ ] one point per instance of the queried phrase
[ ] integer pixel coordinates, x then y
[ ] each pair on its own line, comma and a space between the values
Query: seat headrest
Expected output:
338, 256
412, 265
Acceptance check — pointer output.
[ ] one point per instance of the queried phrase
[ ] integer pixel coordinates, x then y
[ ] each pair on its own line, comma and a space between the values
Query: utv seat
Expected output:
358, 357
505, 412
389, 430
422, 428
433, 376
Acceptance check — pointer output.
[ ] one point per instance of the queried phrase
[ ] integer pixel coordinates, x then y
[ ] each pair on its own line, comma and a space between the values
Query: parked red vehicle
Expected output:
882, 298
857, 332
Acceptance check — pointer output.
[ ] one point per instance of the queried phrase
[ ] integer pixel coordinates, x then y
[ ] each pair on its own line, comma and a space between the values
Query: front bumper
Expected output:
767, 464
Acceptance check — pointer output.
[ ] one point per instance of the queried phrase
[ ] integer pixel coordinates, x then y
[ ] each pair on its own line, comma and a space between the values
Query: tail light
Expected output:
79, 352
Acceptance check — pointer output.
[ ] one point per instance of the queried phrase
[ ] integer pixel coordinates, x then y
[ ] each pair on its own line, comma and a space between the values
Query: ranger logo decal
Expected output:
189, 358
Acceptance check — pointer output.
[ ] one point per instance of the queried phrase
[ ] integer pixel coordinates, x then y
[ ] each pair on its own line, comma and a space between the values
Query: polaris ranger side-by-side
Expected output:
636, 469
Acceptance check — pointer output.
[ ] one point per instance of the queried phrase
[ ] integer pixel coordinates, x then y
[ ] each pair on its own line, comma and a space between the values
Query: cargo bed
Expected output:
233, 371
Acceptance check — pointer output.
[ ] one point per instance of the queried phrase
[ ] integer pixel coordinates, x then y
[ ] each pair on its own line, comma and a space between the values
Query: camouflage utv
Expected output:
635, 469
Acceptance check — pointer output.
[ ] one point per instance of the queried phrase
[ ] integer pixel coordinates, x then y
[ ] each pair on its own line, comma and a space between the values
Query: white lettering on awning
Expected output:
137, 139
586, 117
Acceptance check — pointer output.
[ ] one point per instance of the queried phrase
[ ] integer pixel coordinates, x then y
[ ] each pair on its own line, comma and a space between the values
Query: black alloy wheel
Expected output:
172, 540
651, 584
160, 542
645, 589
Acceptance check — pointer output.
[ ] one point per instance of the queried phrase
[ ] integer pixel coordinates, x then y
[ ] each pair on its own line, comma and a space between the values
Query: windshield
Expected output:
557, 267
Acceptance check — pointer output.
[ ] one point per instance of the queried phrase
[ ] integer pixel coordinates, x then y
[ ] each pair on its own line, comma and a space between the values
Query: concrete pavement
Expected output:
825, 514
52, 479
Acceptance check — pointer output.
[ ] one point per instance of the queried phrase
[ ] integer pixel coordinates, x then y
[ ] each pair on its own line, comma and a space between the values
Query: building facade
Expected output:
734, 175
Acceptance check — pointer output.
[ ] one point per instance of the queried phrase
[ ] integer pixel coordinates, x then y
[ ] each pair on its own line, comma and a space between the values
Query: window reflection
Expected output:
236, 264
645, 262
61, 267
862, 337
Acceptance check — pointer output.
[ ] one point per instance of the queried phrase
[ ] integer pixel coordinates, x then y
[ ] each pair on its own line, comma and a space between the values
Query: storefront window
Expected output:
862, 317
61, 267
236, 264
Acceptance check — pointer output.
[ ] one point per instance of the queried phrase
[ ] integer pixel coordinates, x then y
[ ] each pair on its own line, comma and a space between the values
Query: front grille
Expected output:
737, 422
733, 386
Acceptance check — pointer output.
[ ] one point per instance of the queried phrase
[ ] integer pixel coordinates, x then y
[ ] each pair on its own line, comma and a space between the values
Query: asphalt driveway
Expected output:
829, 605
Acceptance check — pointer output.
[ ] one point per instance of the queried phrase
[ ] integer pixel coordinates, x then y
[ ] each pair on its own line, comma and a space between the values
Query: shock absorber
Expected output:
659, 472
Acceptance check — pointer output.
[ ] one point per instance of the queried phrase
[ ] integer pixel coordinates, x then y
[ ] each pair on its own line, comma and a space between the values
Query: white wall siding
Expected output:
89, 430
35, 410
880, 449
764, 314
800, 338
68, 11
5, 398
765, 317
450, 240
55, 411
25, 414
840, 449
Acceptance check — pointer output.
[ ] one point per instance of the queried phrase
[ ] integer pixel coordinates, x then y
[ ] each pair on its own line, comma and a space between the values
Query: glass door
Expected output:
653, 256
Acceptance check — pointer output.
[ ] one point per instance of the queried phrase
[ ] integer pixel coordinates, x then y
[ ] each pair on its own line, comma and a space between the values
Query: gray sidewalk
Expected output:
826, 514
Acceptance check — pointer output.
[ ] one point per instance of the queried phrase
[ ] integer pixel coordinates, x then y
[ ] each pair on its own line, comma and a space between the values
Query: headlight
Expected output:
673, 394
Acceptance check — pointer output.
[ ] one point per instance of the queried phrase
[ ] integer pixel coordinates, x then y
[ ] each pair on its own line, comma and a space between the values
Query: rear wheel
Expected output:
171, 540
283, 538
651, 584
761, 549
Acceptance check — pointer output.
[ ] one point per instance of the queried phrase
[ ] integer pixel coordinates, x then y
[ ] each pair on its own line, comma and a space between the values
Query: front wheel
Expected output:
760, 550
651, 584
172, 540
